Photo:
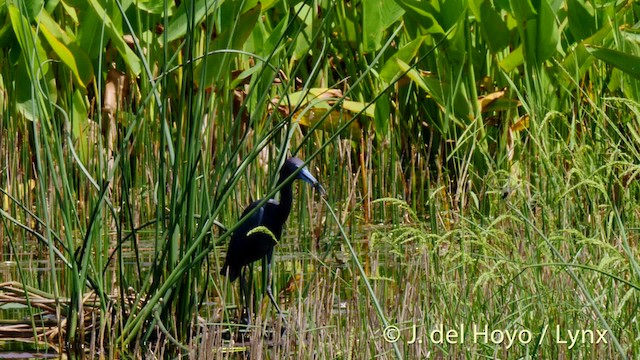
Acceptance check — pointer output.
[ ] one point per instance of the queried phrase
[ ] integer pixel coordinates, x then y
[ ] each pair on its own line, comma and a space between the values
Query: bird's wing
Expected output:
253, 221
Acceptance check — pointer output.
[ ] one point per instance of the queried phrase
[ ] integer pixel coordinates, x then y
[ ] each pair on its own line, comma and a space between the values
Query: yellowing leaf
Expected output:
313, 105
31, 184
80, 66
521, 124
485, 101
318, 97
412, 74
356, 107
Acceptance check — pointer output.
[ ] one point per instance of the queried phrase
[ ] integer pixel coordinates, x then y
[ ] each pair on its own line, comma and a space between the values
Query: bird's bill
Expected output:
320, 189
305, 175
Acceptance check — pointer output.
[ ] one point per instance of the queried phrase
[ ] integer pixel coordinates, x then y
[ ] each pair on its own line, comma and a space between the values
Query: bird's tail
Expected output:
232, 271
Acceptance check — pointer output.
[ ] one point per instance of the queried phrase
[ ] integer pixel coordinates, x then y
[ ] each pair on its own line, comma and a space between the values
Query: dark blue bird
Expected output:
247, 246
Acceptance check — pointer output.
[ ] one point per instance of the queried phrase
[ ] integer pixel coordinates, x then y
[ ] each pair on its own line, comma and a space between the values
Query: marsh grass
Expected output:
479, 191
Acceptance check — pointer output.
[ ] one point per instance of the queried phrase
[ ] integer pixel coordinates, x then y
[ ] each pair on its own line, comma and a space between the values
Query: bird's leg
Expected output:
270, 294
250, 302
244, 290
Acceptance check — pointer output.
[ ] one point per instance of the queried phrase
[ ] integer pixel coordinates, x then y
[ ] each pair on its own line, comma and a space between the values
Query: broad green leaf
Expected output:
29, 99
523, 9
44, 19
305, 14
627, 63
513, 60
276, 35
377, 16
81, 127
582, 22
578, 61
236, 25
89, 35
178, 25
412, 74
7, 36
548, 32
80, 113
631, 34
31, 47
234, 38
349, 29
493, 27
451, 12
356, 107
439, 91
406, 54
268, 4
28, 8
382, 116
32, 68
116, 36
502, 5
71, 11
537, 24
474, 6
156, 7
244, 75
422, 13
76, 61
3, 101
248, 5
51, 5
255, 42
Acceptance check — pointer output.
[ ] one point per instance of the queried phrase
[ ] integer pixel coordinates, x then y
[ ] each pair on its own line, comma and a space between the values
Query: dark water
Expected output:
33, 269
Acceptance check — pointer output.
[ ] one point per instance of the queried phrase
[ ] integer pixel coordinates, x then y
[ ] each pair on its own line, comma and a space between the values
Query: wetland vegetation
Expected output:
481, 160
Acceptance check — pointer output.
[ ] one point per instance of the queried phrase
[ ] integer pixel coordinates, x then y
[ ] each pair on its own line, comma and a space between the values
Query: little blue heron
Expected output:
249, 244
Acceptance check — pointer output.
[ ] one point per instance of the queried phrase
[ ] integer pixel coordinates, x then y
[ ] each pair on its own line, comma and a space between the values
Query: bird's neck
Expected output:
286, 198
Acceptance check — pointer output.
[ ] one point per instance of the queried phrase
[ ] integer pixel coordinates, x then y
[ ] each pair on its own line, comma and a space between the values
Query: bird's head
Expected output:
293, 164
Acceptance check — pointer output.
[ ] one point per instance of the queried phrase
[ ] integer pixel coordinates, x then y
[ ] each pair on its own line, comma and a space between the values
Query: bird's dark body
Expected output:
245, 249
249, 243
